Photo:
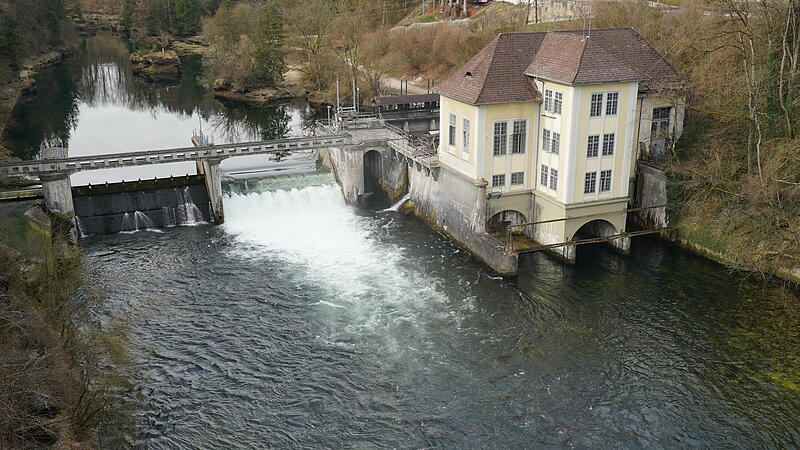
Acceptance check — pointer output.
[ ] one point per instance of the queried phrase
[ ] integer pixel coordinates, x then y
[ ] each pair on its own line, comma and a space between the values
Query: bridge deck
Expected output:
94, 162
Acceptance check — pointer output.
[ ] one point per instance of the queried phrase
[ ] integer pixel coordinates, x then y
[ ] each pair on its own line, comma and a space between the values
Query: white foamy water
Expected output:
313, 230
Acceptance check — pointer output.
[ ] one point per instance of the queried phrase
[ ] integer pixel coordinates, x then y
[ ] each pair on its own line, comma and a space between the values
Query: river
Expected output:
305, 322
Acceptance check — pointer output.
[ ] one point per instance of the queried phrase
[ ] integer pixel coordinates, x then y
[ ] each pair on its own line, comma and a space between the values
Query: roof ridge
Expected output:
491, 56
580, 61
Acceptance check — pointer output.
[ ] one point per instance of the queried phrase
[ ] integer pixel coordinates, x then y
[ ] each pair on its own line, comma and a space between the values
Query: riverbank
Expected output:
51, 347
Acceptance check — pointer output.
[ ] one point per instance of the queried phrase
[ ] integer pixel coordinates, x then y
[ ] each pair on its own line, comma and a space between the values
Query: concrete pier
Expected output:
57, 191
213, 179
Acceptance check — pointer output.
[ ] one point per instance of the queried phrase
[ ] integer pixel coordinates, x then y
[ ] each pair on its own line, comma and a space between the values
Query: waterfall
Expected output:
186, 213
137, 221
78, 223
396, 207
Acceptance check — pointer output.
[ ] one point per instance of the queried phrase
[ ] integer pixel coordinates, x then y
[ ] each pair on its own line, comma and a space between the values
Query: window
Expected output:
543, 177
605, 180
660, 125
608, 144
555, 143
593, 146
500, 138
612, 99
465, 135
553, 179
498, 180
452, 130
559, 100
518, 137
517, 177
596, 109
553, 101
548, 100
546, 140
589, 182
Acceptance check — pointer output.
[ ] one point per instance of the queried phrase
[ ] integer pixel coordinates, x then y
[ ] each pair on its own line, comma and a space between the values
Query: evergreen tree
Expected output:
269, 64
187, 16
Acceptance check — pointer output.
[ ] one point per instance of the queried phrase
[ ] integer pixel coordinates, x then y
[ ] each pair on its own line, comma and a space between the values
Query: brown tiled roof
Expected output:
497, 74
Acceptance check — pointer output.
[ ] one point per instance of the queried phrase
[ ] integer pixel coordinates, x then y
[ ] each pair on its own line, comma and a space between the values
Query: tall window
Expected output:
548, 100
612, 99
518, 137
452, 130
517, 177
553, 179
593, 146
500, 138
660, 124
498, 180
589, 182
543, 176
605, 180
555, 144
596, 108
608, 144
546, 140
465, 135
557, 102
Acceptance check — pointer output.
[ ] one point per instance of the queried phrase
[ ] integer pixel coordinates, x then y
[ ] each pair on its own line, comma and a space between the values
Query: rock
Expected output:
157, 67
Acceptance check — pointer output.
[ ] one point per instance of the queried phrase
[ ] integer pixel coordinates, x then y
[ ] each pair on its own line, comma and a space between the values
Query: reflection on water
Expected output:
92, 104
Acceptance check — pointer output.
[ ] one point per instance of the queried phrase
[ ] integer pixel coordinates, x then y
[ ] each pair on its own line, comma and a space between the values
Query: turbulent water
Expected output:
303, 322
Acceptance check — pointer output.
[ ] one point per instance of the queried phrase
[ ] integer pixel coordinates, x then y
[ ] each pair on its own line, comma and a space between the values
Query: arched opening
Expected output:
600, 228
499, 223
372, 171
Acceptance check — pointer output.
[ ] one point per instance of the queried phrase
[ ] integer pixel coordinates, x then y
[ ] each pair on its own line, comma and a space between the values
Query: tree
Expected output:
187, 16
269, 58
10, 37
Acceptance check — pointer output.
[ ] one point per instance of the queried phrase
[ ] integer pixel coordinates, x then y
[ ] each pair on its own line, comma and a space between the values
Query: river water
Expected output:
304, 322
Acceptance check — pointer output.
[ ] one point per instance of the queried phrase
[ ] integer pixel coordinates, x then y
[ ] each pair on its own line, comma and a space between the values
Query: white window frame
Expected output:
501, 177
555, 143
610, 180
505, 138
523, 140
544, 173
548, 100
553, 179
613, 145
465, 135
558, 102
553, 101
608, 103
593, 148
590, 183
546, 140
451, 130
520, 178
593, 103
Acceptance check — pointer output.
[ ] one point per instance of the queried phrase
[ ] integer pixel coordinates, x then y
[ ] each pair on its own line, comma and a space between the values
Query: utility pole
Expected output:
337, 95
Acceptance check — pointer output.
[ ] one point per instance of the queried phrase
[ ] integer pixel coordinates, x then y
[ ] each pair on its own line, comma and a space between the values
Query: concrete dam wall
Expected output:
134, 206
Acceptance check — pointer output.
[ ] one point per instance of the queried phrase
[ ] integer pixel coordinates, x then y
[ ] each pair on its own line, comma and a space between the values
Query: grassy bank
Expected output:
65, 375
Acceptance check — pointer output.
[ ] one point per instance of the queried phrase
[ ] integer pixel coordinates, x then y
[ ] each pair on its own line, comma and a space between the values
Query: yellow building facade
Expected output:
555, 136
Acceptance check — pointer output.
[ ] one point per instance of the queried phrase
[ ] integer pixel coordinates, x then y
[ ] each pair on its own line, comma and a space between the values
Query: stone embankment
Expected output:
162, 67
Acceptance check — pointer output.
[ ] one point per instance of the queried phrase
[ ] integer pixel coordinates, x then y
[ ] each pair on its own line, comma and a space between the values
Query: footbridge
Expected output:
54, 173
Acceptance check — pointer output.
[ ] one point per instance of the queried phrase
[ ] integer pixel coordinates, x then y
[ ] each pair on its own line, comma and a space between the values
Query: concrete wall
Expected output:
101, 209
454, 205
651, 190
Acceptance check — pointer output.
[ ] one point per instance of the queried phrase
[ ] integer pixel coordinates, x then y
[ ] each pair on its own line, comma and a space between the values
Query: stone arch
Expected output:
603, 228
373, 167
500, 221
